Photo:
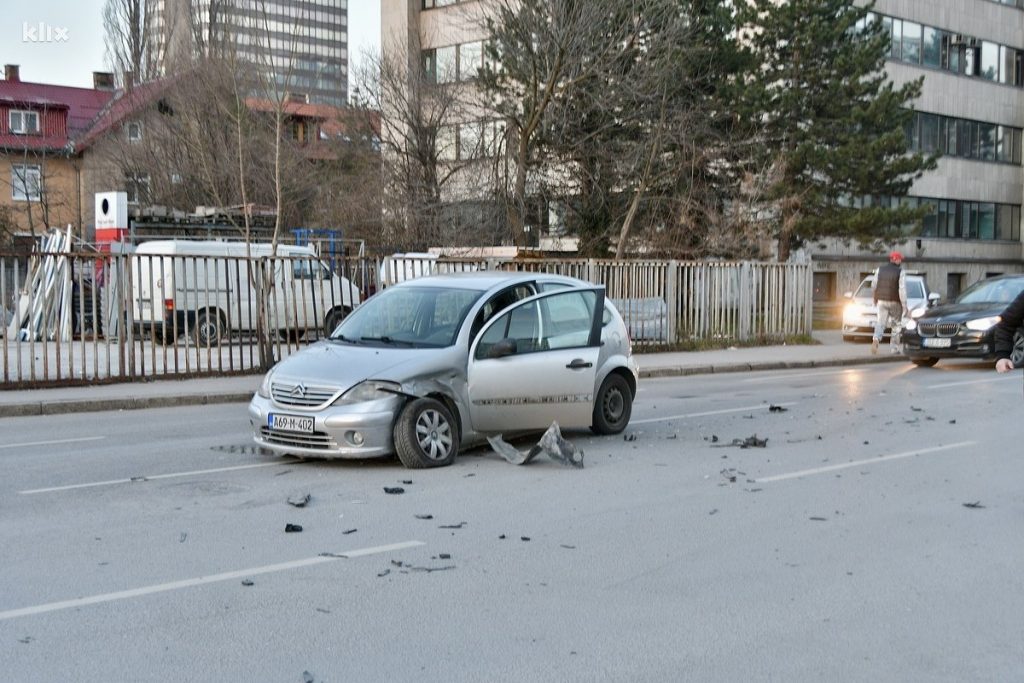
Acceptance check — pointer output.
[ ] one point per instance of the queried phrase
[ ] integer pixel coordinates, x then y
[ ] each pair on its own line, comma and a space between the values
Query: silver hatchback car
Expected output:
433, 363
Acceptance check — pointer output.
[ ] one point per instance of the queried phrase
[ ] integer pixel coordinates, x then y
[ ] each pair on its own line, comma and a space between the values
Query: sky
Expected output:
61, 41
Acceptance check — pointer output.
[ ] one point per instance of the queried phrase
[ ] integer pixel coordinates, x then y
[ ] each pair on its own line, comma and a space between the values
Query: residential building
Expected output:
971, 111
41, 179
303, 42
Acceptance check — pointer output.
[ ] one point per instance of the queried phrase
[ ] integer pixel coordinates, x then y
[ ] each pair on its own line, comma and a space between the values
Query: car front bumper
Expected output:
964, 344
362, 430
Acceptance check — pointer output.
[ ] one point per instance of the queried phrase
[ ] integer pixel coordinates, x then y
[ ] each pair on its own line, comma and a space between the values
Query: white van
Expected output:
208, 290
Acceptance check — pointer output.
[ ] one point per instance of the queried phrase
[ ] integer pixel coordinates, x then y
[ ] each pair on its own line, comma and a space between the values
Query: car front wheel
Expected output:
924, 362
426, 434
613, 406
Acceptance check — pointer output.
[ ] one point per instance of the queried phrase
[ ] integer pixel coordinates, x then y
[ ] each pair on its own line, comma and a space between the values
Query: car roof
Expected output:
486, 279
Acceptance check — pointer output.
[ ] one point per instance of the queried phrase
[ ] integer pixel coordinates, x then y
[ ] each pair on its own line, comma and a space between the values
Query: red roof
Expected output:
124, 104
81, 104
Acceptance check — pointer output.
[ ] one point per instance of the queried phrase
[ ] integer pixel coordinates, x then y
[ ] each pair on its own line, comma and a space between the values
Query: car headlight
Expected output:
911, 324
264, 389
371, 390
918, 312
982, 324
853, 311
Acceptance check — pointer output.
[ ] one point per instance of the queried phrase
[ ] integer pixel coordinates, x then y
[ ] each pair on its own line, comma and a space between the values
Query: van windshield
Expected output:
410, 317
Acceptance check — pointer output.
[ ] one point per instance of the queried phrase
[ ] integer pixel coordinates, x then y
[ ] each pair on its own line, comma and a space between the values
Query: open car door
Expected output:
536, 362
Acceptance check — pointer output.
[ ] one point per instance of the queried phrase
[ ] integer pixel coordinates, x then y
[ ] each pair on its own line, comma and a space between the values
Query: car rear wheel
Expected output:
613, 406
924, 362
426, 434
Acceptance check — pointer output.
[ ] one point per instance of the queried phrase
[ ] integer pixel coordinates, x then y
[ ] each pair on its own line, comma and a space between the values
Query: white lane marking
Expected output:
52, 443
973, 381
861, 463
150, 477
776, 378
760, 406
202, 580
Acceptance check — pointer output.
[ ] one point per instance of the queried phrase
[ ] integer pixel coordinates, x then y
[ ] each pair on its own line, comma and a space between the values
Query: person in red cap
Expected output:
890, 297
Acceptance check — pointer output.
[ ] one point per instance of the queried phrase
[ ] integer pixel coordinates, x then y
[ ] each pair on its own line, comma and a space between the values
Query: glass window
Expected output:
1006, 64
987, 141
932, 50
989, 61
1015, 224
1004, 221
568, 319
26, 182
471, 57
446, 143
897, 38
430, 65
1015, 145
929, 226
951, 127
445, 64
1004, 143
929, 133
986, 221
469, 140
911, 42
964, 135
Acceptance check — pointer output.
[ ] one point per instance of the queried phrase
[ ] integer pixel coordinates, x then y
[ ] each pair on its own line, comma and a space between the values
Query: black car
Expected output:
964, 328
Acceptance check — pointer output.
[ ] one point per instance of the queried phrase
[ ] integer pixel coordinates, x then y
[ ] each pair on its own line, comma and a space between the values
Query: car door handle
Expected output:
579, 364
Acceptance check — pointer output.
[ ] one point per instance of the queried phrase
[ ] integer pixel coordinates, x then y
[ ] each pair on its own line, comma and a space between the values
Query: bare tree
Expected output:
130, 47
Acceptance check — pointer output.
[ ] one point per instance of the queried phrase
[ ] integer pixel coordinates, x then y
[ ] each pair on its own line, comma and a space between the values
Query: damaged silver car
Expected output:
438, 362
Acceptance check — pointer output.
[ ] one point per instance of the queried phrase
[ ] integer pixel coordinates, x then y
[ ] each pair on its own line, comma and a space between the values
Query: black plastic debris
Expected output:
299, 500
714, 438
337, 555
346, 532
139, 479
502, 537
407, 481
818, 519
714, 512
629, 437
776, 409
524, 538
424, 516
282, 472
730, 475
292, 528
444, 556
398, 563
568, 547
383, 573
248, 582
976, 505
749, 442
551, 443
323, 611
916, 409
26, 640
394, 490
308, 677
952, 422
452, 526
672, 436
182, 537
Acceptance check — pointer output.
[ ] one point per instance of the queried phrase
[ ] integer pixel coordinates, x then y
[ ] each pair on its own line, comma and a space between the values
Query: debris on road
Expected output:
444, 556
182, 537
952, 422
551, 443
819, 519
292, 528
524, 538
308, 677
916, 409
714, 512
346, 532
976, 505
568, 547
629, 437
299, 500
383, 573
394, 490
135, 479
749, 442
452, 526
424, 516
776, 409
407, 481
502, 537
248, 582
730, 475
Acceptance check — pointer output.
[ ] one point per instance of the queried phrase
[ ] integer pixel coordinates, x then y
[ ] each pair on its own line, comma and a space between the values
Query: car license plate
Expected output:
291, 423
937, 343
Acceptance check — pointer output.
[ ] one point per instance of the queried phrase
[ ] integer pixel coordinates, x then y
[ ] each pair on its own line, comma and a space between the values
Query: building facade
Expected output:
303, 43
971, 112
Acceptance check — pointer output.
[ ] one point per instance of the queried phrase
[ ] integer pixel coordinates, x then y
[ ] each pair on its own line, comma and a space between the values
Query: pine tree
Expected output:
832, 124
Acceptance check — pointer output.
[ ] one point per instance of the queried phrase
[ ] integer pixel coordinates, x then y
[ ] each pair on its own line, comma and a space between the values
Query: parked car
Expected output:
860, 314
965, 328
442, 360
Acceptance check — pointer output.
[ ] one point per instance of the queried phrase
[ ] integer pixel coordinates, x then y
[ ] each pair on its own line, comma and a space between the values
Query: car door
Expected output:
536, 362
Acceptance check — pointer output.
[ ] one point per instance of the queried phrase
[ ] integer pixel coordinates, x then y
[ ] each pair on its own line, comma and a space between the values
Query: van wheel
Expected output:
924, 362
334, 319
426, 435
613, 407
208, 329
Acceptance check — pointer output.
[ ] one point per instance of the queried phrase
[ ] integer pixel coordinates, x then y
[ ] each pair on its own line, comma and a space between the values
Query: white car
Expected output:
860, 314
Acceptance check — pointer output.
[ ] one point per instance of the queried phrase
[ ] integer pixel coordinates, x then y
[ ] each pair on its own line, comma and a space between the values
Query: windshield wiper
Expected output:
384, 339
343, 338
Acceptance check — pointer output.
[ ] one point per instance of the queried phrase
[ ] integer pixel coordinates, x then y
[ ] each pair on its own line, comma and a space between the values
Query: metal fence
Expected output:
76, 318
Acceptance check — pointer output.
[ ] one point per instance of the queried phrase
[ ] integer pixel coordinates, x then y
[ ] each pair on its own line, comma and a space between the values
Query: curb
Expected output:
36, 408
109, 404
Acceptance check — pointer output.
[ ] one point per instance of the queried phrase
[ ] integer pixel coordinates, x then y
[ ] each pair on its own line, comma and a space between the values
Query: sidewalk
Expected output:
832, 351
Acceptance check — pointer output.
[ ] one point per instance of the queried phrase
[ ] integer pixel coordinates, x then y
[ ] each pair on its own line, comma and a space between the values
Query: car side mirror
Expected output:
506, 347
848, 295
933, 299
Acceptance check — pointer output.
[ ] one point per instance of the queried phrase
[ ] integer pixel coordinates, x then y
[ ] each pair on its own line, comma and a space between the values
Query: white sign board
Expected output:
111, 210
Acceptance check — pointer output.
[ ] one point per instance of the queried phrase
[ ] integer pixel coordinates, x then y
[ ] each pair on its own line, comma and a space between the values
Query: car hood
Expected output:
345, 365
958, 313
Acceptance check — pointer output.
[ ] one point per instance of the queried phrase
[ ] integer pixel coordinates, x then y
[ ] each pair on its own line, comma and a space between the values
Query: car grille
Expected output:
291, 394
317, 440
938, 329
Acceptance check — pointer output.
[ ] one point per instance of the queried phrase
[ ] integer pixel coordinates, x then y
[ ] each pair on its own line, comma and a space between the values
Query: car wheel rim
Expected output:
613, 405
434, 435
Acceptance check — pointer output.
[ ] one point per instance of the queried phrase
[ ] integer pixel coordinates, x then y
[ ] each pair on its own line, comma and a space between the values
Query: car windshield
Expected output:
915, 289
409, 317
1001, 291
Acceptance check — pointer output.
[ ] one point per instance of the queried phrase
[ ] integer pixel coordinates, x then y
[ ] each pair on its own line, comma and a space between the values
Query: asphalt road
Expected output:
842, 550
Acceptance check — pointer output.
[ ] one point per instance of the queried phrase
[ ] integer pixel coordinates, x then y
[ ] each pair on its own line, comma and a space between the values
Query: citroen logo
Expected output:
299, 390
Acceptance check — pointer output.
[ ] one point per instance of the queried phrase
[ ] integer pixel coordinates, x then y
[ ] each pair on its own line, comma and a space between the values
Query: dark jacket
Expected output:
887, 283
1009, 321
